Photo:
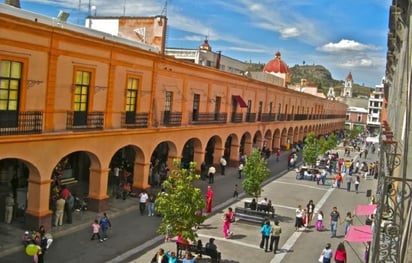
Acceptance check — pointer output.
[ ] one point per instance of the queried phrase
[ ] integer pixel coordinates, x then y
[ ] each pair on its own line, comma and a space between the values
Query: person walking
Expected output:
265, 230
348, 179
310, 208
357, 182
105, 225
340, 254
226, 225
334, 218
160, 257
327, 253
347, 222
299, 217
151, 204
59, 213
223, 164
275, 237
96, 230
235, 192
8, 213
240, 170
142, 201
209, 199
319, 222
211, 173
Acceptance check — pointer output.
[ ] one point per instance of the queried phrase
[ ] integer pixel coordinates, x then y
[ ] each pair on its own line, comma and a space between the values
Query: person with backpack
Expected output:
105, 225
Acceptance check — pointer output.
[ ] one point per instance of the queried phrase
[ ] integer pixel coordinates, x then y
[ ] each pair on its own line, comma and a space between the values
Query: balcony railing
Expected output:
208, 118
85, 120
172, 118
237, 117
250, 117
267, 117
29, 122
135, 120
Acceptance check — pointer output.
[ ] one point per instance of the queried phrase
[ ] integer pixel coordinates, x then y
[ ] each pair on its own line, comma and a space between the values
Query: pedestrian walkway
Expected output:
141, 242
286, 193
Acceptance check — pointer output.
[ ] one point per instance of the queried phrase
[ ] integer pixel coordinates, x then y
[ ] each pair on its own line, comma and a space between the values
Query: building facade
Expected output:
85, 110
356, 118
374, 109
392, 231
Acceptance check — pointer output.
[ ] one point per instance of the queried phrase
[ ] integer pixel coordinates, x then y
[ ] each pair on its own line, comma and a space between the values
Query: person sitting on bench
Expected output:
253, 204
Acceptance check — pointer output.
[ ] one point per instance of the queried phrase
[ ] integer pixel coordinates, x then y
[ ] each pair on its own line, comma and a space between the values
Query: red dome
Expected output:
205, 46
276, 65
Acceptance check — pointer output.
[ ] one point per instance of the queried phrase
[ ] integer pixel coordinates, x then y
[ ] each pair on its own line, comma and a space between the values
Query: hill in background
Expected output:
320, 76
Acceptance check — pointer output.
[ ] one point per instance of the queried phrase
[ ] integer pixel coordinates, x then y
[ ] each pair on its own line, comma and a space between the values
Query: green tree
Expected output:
255, 172
332, 141
310, 149
180, 203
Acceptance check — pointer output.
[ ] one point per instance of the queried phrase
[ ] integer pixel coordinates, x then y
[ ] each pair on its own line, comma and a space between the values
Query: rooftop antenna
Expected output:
124, 7
164, 10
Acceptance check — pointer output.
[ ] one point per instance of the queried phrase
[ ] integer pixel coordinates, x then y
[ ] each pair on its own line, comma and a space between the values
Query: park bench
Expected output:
182, 247
262, 208
249, 215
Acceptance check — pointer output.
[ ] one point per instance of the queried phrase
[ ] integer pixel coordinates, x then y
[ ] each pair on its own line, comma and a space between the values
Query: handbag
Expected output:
320, 259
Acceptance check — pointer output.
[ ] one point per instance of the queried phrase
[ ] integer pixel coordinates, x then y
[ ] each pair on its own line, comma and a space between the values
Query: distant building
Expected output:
279, 68
356, 117
347, 88
205, 56
331, 94
375, 108
307, 87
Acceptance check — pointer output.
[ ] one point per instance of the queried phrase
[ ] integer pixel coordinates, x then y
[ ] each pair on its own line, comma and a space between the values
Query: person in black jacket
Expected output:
160, 257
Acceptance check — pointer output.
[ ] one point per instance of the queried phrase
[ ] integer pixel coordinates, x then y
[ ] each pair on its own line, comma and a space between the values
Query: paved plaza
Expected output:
286, 193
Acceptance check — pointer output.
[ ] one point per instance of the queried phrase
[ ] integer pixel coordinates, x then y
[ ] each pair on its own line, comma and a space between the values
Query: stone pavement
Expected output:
286, 193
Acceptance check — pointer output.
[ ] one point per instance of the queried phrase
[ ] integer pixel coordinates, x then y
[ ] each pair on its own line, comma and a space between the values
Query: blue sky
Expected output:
342, 35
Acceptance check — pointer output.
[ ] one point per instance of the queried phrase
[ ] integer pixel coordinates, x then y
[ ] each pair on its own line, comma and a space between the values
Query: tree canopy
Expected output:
181, 203
256, 172
314, 147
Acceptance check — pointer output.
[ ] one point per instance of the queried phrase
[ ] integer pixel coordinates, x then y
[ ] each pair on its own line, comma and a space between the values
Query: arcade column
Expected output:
98, 198
38, 212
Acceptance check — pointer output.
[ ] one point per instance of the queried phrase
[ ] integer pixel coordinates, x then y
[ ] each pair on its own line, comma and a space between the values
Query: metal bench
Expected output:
249, 215
262, 208
215, 256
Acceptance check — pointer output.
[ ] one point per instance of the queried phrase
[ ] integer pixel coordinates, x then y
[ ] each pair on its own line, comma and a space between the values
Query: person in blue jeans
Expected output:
265, 230
327, 253
334, 219
105, 225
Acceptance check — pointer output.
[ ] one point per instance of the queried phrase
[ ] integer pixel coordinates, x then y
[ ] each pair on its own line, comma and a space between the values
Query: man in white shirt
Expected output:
142, 201
223, 164
211, 174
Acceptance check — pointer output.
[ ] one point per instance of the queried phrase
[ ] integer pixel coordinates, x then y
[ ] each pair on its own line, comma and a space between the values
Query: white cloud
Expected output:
345, 45
356, 63
289, 32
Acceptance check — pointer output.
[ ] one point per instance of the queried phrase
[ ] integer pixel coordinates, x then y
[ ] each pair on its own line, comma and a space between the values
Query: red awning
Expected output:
364, 210
240, 101
359, 234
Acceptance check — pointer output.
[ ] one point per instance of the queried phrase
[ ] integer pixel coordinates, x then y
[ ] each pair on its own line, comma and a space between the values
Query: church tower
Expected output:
347, 89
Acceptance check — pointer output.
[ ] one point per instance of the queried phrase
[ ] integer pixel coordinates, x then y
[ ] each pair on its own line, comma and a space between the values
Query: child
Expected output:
319, 222
235, 192
96, 230
168, 233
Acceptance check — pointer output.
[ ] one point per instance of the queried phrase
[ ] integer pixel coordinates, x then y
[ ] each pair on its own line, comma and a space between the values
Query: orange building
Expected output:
82, 109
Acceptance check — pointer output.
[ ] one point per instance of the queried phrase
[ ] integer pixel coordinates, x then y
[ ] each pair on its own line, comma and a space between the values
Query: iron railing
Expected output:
208, 118
29, 122
135, 120
93, 121
172, 118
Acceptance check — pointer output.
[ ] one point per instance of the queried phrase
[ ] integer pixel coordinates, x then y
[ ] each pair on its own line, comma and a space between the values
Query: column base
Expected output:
34, 222
96, 205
